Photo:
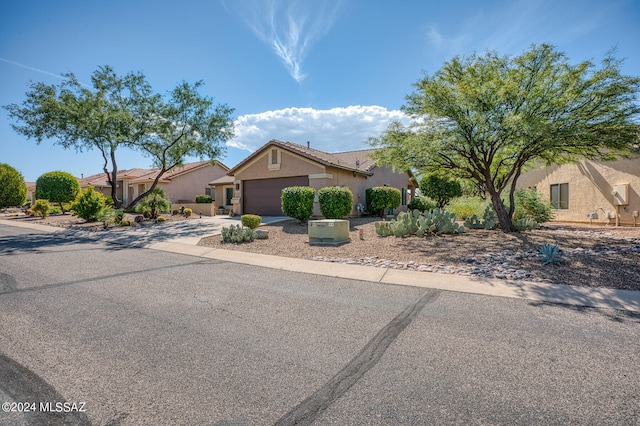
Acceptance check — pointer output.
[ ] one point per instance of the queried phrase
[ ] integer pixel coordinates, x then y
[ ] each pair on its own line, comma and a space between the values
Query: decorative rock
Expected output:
262, 234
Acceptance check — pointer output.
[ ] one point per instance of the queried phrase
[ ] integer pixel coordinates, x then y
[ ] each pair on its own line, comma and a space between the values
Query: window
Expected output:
404, 196
560, 196
229, 195
274, 156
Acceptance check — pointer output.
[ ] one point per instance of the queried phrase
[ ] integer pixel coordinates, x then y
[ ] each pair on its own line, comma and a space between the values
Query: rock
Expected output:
262, 234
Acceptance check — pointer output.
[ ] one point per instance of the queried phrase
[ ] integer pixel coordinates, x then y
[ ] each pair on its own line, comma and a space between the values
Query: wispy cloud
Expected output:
331, 130
290, 28
18, 64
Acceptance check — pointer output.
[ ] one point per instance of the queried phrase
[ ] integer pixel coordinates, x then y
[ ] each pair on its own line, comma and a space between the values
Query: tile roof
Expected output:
357, 161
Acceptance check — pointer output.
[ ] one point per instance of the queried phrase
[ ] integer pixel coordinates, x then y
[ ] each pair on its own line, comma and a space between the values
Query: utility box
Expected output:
329, 231
620, 194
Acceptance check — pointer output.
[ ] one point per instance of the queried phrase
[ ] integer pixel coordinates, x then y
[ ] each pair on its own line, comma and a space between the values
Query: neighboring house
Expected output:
259, 179
589, 191
31, 192
181, 184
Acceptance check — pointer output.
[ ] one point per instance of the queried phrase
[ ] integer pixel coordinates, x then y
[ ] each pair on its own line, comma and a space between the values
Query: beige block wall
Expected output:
590, 186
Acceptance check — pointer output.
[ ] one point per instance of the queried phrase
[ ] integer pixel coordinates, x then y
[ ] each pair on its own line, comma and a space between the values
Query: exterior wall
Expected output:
590, 187
189, 185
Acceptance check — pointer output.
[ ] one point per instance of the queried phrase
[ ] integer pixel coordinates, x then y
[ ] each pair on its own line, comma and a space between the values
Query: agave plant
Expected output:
550, 254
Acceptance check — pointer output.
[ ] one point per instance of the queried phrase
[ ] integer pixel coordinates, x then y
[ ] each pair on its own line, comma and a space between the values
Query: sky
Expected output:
330, 72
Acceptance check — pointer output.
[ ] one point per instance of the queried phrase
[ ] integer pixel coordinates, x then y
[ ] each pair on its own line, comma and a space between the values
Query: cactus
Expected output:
525, 224
238, 234
383, 229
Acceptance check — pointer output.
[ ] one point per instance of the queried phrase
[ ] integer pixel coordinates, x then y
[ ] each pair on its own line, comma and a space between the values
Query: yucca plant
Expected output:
550, 254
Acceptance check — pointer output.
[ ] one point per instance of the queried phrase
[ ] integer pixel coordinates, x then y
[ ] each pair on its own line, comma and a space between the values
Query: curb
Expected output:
592, 297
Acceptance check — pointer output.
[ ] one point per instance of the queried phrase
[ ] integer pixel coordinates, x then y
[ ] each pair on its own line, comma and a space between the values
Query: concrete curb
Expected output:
540, 292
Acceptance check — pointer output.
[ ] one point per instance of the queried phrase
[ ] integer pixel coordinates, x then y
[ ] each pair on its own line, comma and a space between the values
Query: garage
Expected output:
262, 196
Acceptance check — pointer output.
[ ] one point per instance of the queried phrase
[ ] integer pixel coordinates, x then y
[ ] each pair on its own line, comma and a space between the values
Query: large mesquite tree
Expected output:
486, 118
123, 111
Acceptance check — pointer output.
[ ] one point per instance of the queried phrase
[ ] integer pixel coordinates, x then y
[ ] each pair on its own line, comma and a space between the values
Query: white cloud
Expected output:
331, 130
288, 27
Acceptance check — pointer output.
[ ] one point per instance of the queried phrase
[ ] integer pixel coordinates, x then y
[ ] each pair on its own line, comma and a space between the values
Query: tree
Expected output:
124, 111
57, 187
186, 124
440, 188
13, 190
487, 118
154, 203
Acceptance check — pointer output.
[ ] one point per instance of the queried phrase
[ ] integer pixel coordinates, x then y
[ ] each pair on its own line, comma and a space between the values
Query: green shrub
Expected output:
297, 202
203, 199
380, 198
440, 188
238, 234
423, 204
41, 208
54, 209
335, 202
465, 207
187, 212
111, 216
154, 203
529, 205
161, 219
13, 190
251, 220
57, 187
89, 204
125, 223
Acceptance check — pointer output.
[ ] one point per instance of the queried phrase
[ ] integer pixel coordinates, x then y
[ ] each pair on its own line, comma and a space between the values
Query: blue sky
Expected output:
330, 72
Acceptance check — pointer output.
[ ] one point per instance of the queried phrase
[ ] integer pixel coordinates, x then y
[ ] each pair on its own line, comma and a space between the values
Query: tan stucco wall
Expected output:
590, 186
187, 186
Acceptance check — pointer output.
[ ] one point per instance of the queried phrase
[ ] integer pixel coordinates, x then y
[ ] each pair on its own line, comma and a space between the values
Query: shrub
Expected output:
111, 216
465, 207
89, 204
13, 190
57, 187
154, 203
161, 219
41, 208
297, 202
251, 220
423, 204
125, 223
335, 202
440, 188
187, 212
380, 198
529, 205
203, 199
238, 234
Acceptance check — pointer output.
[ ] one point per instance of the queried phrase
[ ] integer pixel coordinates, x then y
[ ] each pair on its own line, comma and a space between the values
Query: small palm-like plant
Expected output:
550, 254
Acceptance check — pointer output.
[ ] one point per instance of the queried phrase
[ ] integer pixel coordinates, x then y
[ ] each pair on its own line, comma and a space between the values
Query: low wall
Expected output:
205, 209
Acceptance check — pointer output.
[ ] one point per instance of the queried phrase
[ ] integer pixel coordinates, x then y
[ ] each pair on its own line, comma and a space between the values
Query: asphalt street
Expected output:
138, 336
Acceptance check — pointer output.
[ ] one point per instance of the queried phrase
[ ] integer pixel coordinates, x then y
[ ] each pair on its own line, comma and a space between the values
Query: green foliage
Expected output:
41, 208
465, 207
13, 190
251, 220
380, 198
335, 202
488, 117
124, 111
529, 205
297, 202
57, 187
154, 203
89, 204
440, 188
111, 216
422, 203
203, 199
550, 254
489, 220
187, 212
161, 219
238, 234
524, 224
434, 222
125, 223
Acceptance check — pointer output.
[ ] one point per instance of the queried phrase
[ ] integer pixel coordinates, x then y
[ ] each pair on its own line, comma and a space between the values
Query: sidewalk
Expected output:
179, 238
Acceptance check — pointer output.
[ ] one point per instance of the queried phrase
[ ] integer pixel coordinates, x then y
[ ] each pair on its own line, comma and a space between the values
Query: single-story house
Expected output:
258, 180
181, 184
589, 191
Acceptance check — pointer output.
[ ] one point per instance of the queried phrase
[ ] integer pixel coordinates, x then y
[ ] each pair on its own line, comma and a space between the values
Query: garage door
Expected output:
262, 196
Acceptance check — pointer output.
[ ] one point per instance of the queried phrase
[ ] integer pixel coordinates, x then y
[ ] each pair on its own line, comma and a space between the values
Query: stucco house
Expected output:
590, 192
257, 181
181, 184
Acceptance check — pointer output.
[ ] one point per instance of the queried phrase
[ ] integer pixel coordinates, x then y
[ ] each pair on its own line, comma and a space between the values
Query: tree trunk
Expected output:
504, 217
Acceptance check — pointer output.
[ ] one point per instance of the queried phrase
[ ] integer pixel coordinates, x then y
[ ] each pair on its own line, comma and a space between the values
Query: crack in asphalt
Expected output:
311, 408
23, 385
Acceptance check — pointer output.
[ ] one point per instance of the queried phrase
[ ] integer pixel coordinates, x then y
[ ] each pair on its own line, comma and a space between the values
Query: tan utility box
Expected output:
328, 231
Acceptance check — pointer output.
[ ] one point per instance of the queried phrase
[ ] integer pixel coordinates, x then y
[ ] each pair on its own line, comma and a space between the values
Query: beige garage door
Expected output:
262, 196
